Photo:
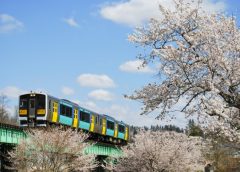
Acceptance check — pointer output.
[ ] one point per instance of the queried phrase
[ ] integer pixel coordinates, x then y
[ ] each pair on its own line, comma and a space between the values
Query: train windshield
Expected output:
23, 104
32, 101
110, 125
40, 101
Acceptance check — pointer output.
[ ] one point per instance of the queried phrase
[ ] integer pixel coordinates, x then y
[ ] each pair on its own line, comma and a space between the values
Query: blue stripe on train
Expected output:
65, 120
110, 132
84, 125
120, 135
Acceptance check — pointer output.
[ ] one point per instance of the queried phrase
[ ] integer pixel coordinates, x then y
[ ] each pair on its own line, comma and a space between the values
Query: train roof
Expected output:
108, 116
68, 101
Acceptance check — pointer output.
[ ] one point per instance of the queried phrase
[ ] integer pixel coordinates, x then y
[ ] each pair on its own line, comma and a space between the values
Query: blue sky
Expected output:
78, 50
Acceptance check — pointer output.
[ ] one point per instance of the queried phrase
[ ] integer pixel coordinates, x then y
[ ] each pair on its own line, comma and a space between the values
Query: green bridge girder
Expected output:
13, 134
104, 150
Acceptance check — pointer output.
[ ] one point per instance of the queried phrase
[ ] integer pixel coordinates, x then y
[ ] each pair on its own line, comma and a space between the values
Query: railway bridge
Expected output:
11, 135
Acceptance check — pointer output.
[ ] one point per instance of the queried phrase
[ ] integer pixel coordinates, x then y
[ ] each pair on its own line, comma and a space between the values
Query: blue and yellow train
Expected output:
38, 109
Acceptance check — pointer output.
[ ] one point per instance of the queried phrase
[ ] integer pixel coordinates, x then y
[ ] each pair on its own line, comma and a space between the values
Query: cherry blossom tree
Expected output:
54, 150
199, 57
162, 152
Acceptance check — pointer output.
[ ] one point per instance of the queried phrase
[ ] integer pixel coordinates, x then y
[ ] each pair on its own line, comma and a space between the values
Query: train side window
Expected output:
84, 116
69, 112
110, 125
63, 109
121, 128
66, 111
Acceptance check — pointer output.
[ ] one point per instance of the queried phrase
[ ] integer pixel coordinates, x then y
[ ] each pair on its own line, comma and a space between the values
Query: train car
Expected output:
39, 109
33, 109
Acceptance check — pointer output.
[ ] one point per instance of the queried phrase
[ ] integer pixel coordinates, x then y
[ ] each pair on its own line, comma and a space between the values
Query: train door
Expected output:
75, 118
116, 130
92, 123
32, 108
103, 126
97, 125
55, 112
126, 134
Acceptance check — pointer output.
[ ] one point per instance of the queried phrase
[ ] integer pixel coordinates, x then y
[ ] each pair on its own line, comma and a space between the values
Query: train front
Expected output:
32, 109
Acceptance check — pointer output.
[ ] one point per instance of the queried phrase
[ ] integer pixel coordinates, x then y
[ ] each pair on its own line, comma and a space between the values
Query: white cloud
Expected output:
97, 81
88, 105
9, 23
67, 91
101, 95
71, 22
135, 67
136, 12
12, 91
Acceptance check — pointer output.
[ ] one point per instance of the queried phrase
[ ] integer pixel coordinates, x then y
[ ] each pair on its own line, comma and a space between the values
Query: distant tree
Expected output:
198, 57
161, 152
14, 118
146, 128
53, 150
4, 114
194, 129
134, 130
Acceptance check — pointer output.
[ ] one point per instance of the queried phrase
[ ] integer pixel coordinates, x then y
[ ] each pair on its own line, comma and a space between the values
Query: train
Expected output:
42, 110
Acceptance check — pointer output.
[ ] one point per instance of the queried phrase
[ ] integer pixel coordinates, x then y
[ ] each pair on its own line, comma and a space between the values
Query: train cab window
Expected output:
121, 128
41, 102
110, 125
84, 116
32, 103
23, 103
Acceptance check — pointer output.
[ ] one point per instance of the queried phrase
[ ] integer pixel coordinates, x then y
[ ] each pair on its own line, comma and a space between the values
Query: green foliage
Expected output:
134, 129
194, 129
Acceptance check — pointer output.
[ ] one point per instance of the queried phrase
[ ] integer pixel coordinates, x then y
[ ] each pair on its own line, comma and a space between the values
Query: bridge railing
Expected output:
11, 134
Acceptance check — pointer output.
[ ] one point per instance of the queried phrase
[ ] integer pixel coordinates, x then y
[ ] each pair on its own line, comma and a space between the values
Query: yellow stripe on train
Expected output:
126, 134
